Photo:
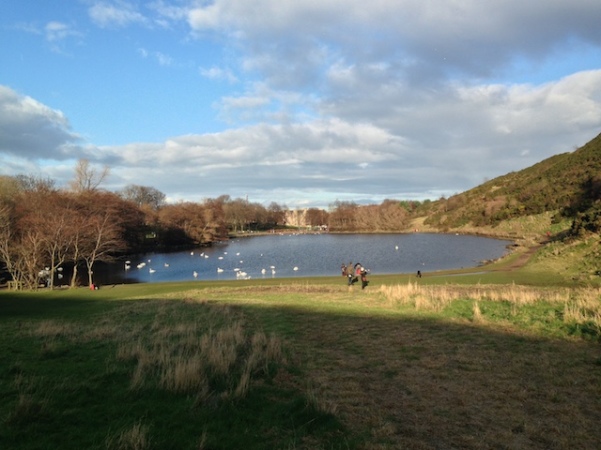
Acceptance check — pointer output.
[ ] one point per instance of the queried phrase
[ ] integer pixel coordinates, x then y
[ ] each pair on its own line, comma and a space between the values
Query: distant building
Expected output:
297, 218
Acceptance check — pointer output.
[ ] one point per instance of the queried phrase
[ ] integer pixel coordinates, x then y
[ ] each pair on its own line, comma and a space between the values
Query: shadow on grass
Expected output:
417, 382
359, 376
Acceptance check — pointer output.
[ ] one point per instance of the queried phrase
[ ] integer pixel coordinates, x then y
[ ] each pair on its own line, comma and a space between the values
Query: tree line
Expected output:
44, 228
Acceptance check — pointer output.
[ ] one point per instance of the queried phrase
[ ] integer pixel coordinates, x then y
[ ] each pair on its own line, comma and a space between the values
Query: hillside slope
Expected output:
556, 202
567, 183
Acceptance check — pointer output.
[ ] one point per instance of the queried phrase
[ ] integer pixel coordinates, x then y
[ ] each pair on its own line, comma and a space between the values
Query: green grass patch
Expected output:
302, 364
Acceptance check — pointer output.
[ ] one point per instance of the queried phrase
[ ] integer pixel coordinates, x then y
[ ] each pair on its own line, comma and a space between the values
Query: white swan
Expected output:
219, 270
195, 273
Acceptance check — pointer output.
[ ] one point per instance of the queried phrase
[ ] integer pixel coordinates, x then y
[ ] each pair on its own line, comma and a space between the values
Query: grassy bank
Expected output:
451, 360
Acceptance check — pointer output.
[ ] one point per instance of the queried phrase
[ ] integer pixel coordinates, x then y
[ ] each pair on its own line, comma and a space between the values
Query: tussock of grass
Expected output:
477, 313
134, 438
27, 409
187, 359
53, 329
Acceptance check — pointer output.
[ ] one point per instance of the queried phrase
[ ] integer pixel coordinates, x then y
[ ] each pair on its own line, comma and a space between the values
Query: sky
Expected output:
298, 102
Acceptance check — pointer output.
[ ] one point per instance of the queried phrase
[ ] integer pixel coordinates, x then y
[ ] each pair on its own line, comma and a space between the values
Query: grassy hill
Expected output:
565, 185
556, 202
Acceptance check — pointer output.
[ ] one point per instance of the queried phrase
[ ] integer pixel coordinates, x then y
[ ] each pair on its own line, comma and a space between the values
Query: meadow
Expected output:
474, 360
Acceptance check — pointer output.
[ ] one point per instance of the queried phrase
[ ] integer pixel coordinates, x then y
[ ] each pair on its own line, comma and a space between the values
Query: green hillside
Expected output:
567, 185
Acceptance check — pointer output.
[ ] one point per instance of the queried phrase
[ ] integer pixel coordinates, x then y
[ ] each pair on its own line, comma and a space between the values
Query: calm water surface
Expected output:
307, 256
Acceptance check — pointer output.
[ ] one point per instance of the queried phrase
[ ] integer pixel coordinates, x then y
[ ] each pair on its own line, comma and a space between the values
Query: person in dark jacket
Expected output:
363, 275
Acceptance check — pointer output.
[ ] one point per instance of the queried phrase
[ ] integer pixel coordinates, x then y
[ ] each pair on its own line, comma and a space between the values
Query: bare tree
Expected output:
143, 196
21, 239
99, 230
342, 216
276, 213
6, 238
86, 177
317, 217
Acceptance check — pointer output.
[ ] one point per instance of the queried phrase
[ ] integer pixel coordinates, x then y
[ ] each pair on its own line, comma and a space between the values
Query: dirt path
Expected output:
522, 259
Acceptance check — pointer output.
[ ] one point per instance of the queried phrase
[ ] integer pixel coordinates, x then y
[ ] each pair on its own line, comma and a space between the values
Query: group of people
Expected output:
355, 273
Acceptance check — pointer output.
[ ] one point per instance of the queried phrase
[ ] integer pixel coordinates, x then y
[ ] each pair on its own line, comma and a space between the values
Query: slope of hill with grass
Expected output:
566, 184
556, 202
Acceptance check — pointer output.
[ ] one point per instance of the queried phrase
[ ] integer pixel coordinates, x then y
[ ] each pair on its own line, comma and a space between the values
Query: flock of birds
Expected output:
240, 274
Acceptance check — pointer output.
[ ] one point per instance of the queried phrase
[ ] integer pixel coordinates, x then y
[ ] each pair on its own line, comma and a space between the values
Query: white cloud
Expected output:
217, 73
118, 14
29, 129
341, 99
473, 37
161, 58
57, 31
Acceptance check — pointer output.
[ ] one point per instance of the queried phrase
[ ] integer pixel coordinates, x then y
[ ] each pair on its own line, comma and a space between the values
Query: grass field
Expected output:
493, 358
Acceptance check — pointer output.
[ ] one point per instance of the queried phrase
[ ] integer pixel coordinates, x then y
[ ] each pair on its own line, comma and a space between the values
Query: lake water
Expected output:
307, 255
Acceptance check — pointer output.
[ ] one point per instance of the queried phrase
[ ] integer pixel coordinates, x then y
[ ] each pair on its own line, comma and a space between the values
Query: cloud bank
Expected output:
339, 100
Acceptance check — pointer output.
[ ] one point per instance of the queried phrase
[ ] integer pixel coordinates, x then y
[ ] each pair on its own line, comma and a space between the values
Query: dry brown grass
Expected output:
190, 346
50, 329
134, 438
584, 307
214, 358
581, 305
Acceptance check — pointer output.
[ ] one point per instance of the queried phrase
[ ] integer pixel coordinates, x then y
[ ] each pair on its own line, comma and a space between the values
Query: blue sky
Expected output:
299, 102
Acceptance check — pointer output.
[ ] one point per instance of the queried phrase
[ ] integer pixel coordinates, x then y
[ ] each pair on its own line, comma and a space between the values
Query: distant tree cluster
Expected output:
43, 228
390, 215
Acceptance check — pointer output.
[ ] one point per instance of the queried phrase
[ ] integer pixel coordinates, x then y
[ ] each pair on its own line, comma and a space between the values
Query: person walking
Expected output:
363, 275
357, 273
349, 273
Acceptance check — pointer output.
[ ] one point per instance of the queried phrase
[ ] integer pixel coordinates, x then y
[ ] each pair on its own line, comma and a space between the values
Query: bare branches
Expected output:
86, 177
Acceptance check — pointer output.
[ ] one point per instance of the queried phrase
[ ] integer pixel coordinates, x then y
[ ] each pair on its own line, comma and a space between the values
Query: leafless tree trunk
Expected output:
86, 177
